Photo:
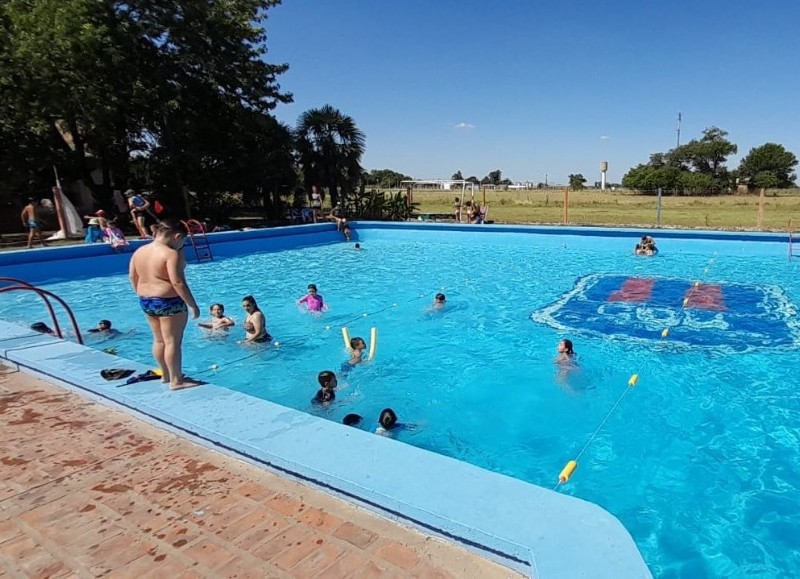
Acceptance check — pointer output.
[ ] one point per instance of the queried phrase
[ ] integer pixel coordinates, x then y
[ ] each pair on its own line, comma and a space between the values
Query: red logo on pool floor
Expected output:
634, 289
705, 297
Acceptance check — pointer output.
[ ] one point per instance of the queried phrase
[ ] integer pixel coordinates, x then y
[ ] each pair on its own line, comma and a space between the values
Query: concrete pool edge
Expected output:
517, 524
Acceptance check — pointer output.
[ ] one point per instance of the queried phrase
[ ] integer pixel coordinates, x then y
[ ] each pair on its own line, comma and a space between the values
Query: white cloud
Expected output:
463, 125
604, 137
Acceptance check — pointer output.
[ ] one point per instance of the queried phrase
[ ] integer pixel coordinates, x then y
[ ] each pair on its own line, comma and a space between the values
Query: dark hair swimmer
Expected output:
388, 419
352, 420
327, 379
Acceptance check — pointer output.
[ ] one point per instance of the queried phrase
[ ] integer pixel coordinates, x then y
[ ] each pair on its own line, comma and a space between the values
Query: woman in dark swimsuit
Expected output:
255, 325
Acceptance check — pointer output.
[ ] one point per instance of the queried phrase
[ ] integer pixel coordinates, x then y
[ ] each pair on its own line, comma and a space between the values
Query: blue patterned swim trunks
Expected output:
160, 307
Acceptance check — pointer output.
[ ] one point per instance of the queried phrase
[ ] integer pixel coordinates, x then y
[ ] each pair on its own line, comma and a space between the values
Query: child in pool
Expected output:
327, 392
566, 354
312, 300
387, 422
219, 321
357, 346
439, 301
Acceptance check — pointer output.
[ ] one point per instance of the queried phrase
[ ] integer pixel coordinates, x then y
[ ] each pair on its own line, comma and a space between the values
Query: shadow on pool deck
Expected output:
86, 490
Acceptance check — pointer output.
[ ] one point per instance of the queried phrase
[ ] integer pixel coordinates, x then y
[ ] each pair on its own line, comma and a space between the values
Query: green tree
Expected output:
706, 155
768, 166
63, 85
386, 178
650, 178
457, 176
576, 181
330, 146
92, 84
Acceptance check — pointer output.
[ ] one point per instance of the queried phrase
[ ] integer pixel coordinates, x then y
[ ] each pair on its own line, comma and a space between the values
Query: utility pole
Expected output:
679, 130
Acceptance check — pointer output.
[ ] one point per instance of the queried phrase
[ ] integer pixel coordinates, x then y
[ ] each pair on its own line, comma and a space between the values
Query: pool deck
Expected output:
87, 491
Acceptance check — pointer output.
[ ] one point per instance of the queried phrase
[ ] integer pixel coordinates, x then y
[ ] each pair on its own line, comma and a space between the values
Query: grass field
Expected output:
592, 207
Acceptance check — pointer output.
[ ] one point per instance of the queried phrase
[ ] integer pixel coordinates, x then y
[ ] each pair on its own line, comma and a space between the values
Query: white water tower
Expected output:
603, 171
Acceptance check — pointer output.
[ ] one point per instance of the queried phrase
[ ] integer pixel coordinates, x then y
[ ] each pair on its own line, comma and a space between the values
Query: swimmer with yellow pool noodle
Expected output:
357, 347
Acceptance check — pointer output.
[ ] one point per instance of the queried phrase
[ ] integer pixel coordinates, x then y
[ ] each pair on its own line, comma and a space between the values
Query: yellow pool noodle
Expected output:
373, 342
346, 338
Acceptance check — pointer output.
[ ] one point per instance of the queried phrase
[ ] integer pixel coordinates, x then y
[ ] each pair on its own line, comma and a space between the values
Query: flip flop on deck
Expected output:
144, 377
115, 373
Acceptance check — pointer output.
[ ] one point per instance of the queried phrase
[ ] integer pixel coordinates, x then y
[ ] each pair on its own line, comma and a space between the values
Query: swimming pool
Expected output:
711, 426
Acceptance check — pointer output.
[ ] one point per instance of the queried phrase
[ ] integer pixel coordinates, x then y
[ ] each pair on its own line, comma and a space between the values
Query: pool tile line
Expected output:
493, 511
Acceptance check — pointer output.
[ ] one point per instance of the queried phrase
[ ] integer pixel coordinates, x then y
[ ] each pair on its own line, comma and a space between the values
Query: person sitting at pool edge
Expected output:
327, 392
94, 233
337, 215
219, 321
346, 232
312, 300
255, 324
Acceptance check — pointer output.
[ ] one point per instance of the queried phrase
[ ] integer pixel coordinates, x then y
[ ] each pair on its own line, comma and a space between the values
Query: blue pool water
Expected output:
699, 461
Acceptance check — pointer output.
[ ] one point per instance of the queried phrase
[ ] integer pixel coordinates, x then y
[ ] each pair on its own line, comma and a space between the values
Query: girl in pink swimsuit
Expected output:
312, 300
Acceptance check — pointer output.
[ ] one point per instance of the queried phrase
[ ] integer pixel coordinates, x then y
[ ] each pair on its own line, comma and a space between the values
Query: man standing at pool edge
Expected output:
157, 277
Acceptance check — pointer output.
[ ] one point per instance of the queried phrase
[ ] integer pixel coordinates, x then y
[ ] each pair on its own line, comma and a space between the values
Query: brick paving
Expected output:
87, 491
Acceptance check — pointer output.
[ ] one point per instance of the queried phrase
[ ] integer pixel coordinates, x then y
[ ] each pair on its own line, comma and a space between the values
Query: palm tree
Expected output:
330, 147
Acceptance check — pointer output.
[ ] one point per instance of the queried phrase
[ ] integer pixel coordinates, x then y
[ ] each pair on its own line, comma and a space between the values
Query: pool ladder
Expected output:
22, 285
198, 239
793, 240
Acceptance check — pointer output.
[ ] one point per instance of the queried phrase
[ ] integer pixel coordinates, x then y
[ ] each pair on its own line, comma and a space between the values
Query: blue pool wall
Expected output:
526, 527
98, 259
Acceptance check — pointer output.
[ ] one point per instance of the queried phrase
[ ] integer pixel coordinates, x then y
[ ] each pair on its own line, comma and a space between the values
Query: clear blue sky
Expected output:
540, 87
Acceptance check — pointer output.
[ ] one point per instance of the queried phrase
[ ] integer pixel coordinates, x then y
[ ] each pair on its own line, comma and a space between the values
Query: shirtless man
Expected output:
157, 277
31, 223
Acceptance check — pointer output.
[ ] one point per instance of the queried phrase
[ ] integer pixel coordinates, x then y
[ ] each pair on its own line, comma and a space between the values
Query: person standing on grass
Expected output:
30, 221
157, 277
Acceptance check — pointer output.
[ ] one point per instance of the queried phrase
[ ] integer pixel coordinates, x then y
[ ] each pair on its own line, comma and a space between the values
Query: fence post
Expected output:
658, 210
760, 221
566, 205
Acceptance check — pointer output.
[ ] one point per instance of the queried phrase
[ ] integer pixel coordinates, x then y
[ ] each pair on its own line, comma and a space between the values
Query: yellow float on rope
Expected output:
634, 379
346, 338
373, 342
665, 333
569, 468
697, 284
685, 302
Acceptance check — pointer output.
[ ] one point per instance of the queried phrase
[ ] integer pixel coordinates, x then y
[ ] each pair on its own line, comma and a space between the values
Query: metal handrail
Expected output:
44, 294
47, 303
195, 227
